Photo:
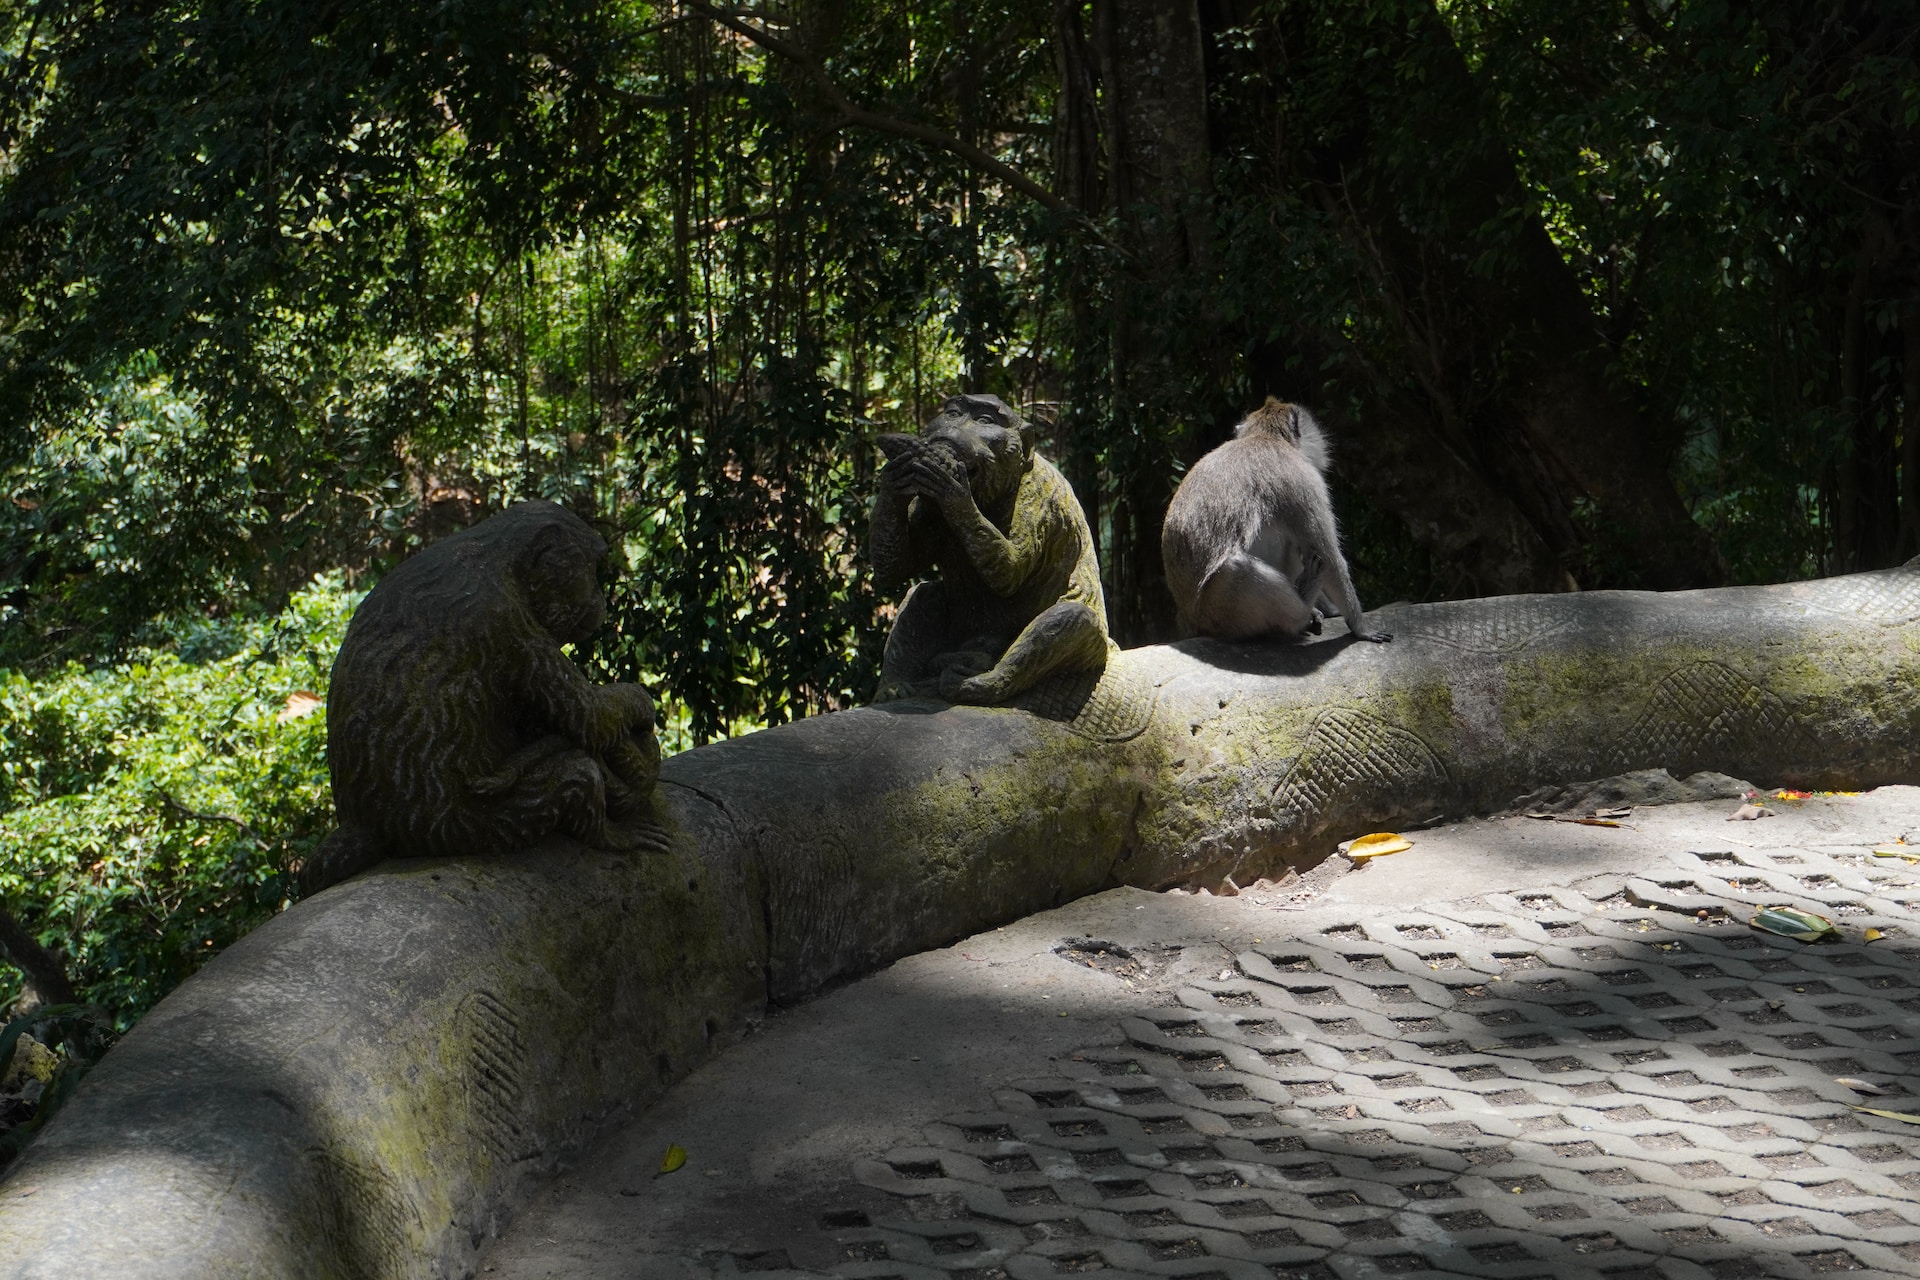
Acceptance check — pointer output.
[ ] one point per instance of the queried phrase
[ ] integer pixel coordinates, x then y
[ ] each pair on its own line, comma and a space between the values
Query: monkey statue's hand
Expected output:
940, 479
897, 477
960, 675
618, 709
636, 833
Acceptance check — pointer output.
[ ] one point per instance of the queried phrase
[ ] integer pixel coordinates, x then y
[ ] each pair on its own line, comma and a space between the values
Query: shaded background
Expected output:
1597, 294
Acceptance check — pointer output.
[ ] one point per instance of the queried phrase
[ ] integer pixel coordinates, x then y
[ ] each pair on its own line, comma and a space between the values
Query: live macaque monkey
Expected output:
1250, 544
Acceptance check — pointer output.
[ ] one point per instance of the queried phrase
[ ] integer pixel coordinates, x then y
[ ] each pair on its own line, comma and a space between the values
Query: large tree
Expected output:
1596, 294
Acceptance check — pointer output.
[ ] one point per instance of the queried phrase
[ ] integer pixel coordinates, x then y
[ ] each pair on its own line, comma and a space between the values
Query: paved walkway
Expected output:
1519, 1049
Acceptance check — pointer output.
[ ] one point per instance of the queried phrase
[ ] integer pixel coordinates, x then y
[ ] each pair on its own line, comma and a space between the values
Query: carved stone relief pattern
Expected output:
1361, 759
366, 1218
496, 1077
1890, 597
1113, 705
1707, 716
1497, 626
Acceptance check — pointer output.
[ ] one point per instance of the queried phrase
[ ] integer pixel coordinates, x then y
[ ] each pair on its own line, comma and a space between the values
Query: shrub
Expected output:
150, 811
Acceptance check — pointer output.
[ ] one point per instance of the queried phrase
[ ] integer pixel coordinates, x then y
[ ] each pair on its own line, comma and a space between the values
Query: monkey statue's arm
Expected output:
596, 716
895, 552
1002, 562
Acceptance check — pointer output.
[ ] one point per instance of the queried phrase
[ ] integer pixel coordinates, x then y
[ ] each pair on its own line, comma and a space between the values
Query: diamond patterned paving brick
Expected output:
1614, 1084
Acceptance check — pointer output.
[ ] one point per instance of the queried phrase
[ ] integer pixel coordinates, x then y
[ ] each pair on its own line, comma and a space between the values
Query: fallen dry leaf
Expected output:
1858, 1086
1598, 818
675, 1157
1902, 1116
1791, 922
300, 703
1873, 935
1377, 845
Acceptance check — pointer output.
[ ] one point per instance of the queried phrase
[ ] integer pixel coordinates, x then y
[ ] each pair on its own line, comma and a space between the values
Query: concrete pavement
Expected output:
1520, 1048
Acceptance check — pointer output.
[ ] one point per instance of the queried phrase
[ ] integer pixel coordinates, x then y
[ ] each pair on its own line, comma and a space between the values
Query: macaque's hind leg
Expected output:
1066, 637
1340, 586
919, 633
1306, 585
1249, 599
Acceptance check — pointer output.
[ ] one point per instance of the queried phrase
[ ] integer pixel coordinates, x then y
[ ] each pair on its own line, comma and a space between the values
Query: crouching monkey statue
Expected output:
1017, 592
456, 724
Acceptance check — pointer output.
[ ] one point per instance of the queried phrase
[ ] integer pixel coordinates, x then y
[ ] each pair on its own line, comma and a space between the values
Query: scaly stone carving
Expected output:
457, 725
1017, 597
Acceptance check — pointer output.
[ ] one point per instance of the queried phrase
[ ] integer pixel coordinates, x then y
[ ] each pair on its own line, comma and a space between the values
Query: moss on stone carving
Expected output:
456, 722
812, 853
1015, 594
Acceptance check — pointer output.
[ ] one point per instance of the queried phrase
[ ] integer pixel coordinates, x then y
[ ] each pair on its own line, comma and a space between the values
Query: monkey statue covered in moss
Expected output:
457, 725
1016, 596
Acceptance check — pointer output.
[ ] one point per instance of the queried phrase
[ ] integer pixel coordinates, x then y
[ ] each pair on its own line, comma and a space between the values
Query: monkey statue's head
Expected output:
555, 558
986, 438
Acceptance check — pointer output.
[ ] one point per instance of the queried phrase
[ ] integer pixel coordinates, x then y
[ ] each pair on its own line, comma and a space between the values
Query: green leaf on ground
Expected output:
1790, 922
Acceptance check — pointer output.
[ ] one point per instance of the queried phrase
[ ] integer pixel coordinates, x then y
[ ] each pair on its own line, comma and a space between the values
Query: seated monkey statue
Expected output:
1015, 592
457, 725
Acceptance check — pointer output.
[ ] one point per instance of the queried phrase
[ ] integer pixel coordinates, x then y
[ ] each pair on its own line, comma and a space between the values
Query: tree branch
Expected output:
45, 973
855, 114
241, 823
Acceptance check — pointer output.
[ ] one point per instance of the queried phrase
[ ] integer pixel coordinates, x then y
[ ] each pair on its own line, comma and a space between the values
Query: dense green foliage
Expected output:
1595, 293
149, 810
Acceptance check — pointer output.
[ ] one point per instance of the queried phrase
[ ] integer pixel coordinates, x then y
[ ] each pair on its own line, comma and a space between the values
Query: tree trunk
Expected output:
1153, 74
1552, 426
1909, 543
1866, 508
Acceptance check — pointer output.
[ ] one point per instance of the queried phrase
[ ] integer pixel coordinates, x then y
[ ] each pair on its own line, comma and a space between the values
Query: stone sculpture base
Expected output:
364, 1086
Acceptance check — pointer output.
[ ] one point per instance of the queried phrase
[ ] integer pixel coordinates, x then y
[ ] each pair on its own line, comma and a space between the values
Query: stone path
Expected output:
1518, 1049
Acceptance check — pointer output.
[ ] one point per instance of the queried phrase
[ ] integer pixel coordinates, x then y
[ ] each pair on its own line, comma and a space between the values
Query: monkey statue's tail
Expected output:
348, 851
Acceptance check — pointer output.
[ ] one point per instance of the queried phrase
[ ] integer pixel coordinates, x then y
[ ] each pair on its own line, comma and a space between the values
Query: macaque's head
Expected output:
558, 562
986, 438
1289, 424
1274, 420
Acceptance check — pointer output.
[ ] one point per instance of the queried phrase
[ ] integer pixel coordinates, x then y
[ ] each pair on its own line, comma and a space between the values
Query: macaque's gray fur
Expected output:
1250, 544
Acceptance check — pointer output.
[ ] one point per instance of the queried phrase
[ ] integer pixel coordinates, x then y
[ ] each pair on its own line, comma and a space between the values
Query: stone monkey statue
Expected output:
455, 723
1016, 592
1250, 545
